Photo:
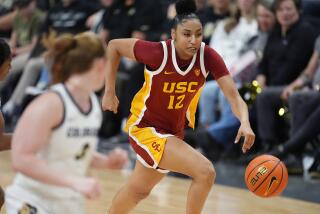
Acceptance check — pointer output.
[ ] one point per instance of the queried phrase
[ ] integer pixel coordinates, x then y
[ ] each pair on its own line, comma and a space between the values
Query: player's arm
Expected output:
5, 138
215, 64
116, 159
240, 109
32, 133
115, 50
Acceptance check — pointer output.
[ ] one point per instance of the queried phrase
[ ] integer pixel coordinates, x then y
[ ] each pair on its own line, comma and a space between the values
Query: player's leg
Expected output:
179, 157
138, 187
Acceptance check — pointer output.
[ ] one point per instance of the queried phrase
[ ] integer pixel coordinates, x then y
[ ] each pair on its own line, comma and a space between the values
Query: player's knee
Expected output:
206, 174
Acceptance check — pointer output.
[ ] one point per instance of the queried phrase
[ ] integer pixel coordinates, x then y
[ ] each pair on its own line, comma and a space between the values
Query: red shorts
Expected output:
149, 145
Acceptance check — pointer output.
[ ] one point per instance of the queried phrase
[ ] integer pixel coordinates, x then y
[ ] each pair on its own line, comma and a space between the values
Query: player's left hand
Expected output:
249, 137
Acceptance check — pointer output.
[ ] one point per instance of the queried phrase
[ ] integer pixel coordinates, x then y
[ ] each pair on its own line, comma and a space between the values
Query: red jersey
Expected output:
170, 94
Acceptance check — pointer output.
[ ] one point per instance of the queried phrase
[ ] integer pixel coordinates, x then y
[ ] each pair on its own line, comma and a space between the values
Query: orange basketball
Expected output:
266, 176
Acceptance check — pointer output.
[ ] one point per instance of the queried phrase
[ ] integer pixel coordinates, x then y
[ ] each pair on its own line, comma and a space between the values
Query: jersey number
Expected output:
176, 102
83, 152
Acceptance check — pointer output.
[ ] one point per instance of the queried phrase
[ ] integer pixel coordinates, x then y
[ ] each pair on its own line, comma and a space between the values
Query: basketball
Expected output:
266, 176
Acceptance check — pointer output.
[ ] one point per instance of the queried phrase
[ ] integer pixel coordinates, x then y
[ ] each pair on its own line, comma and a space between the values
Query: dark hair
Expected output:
277, 3
186, 9
69, 54
5, 52
268, 4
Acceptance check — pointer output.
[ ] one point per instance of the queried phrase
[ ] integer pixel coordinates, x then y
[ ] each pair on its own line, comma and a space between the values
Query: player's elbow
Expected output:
112, 44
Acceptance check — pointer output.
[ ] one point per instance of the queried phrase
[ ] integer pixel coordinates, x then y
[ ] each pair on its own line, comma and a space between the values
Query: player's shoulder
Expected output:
48, 101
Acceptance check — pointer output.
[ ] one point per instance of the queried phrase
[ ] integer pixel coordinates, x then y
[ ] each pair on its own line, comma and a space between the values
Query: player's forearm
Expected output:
113, 60
40, 170
5, 142
240, 109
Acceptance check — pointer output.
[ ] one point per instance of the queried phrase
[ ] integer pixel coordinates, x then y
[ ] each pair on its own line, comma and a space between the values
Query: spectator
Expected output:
24, 35
67, 17
305, 113
287, 52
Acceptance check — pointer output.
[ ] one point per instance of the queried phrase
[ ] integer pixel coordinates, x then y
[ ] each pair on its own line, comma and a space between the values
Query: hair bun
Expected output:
184, 7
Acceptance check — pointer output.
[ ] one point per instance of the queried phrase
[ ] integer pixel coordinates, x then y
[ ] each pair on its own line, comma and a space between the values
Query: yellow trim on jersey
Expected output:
138, 105
192, 108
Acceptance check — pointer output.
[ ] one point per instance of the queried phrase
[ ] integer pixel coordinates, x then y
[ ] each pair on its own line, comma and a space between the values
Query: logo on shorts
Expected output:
27, 209
156, 146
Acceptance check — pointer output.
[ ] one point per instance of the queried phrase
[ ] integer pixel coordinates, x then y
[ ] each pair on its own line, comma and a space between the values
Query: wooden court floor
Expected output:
169, 197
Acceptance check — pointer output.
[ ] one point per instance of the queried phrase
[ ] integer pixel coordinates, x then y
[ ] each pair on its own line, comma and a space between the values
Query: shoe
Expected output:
294, 164
314, 170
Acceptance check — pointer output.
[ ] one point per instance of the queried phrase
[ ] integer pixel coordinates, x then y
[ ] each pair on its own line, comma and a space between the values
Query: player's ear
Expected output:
173, 34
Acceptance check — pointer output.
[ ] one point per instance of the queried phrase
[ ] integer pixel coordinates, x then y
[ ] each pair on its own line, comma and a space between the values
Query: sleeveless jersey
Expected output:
70, 147
169, 94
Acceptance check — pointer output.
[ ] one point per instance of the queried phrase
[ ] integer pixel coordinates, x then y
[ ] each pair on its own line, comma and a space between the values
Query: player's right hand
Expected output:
88, 187
110, 101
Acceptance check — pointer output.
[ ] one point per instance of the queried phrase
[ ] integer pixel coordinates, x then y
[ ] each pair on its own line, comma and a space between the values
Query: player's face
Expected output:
266, 19
287, 13
187, 37
5, 68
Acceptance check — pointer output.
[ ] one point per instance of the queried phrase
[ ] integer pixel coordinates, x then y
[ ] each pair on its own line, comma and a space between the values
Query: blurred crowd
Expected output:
271, 48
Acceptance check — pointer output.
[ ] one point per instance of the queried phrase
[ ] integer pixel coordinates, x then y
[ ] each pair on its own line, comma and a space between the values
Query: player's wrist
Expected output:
69, 181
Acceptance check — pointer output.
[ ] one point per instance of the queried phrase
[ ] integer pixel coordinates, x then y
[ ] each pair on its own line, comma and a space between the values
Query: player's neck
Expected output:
180, 54
78, 89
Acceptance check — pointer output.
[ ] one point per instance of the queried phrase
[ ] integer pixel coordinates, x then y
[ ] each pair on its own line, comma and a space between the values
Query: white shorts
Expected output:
19, 200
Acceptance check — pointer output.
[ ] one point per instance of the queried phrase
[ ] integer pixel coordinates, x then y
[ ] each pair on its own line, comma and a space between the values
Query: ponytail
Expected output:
70, 54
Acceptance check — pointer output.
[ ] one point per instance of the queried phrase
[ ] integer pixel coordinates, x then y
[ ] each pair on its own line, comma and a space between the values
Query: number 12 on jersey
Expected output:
175, 102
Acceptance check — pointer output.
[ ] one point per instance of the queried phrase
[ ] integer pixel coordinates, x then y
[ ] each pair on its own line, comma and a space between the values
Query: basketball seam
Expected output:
267, 176
280, 180
257, 165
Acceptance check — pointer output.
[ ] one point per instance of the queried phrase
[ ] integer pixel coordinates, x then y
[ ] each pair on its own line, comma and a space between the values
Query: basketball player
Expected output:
5, 65
175, 72
55, 140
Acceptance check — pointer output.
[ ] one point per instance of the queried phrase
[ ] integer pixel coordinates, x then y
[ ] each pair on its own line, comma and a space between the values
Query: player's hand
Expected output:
88, 187
249, 137
110, 101
117, 159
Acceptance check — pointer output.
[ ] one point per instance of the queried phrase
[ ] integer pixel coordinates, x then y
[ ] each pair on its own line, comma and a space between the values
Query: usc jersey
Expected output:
168, 100
170, 94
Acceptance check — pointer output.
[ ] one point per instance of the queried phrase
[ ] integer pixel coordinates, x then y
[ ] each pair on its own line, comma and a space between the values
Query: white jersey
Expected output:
70, 147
